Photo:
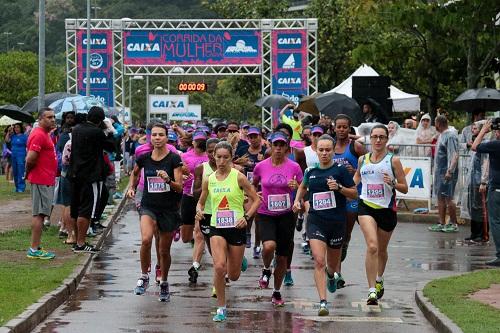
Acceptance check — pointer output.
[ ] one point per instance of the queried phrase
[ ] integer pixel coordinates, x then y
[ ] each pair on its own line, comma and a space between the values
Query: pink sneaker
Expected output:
277, 300
264, 279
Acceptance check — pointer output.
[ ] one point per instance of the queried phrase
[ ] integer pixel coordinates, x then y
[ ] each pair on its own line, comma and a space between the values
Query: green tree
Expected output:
19, 77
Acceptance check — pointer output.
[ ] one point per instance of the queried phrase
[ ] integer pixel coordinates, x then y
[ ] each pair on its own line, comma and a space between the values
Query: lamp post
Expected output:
7, 34
130, 78
41, 54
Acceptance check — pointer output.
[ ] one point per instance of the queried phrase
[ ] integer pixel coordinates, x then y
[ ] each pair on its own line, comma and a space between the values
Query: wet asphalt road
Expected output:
105, 301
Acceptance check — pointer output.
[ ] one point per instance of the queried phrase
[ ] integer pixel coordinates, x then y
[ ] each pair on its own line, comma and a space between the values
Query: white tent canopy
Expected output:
402, 102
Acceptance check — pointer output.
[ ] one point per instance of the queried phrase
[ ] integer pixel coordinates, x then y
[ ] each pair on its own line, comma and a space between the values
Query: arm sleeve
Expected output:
489, 147
307, 174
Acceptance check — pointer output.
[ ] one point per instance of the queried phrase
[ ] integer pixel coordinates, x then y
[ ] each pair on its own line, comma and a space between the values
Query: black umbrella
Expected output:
332, 104
14, 112
478, 99
32, 105
272, 101
307, 104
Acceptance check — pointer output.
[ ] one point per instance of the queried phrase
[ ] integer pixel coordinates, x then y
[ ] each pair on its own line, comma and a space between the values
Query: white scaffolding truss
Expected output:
266, 26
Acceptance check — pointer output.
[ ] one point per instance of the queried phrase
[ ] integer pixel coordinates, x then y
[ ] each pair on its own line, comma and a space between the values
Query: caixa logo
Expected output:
168, 104
97, 41
96, 81
290, 81
143, 47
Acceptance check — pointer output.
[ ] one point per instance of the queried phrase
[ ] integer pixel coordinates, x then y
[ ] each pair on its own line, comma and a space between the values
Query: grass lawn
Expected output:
450, 295
122, 184
23, 281
7, 191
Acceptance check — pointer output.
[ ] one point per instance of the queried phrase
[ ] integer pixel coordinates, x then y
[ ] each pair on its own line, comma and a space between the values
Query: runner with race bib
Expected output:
381, 174
227, 188
278, 177
329, 185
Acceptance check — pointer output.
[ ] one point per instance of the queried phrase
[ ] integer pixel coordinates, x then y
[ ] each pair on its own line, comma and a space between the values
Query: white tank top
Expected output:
375, 193
311, 157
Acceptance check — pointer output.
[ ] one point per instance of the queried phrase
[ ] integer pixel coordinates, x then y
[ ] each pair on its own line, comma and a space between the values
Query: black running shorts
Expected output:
205, 227
385, 218
279, 229
188, 209
330, 232
232, 236
166, 221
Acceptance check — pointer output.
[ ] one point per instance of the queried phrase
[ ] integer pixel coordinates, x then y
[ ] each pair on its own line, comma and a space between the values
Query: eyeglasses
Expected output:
232, 131
378, 137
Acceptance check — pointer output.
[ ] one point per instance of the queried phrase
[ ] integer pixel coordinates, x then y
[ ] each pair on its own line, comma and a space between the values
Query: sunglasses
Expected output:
317, 134
232, 131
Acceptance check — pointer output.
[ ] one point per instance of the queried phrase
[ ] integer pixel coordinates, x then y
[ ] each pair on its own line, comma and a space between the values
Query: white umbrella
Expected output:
6, 121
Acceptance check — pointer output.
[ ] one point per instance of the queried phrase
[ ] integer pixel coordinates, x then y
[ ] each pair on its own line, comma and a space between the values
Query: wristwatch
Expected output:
169, 180
339, 187
246, 217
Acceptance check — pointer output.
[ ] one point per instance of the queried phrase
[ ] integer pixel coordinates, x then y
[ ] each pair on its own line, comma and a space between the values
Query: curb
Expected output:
440, 322
41, 309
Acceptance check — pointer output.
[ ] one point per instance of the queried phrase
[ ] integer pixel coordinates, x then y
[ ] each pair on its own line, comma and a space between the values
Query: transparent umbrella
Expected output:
77, 104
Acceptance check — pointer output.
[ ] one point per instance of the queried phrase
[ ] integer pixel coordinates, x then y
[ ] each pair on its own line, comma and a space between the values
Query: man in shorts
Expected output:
41, 169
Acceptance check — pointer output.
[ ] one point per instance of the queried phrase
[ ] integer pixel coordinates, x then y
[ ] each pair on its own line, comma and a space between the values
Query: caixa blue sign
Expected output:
98, 41
287, 41
288, 80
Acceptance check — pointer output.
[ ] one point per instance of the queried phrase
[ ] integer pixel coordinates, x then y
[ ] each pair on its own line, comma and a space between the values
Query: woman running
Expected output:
227, 188
191, 159
329, 185
381, 174
159, 204
278, 177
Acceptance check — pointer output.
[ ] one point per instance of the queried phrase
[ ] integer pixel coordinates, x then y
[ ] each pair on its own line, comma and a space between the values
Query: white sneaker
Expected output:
46, 221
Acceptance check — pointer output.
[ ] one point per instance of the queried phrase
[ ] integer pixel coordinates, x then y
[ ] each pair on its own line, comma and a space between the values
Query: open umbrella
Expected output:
14, 112
332, 104
474, 99
306, 104
77, 104
6, 121
32, 105
272, 101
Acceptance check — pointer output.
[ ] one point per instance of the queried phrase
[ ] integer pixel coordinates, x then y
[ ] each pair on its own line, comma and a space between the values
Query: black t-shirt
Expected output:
321, 202
157, 194
493, 149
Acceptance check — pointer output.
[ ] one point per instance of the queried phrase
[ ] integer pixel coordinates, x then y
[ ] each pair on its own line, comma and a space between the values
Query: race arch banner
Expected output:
289, 65
192, 47
101, 65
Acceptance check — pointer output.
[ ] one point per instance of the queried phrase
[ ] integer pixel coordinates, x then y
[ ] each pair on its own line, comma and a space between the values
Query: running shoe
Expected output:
40, 254
323, 309
436, 227
372, 298
380, 289
164, 293
85, 248
193, 274
450, 228
249, 241
340, 282
142, 285
63, 234
299, 223
264, 279
345, 246
91, 233
46, 221
214, 293
157, 274
288, 281
244, 264
220, 315
331, 281
177, 235
306, 248
256, 252
276, 299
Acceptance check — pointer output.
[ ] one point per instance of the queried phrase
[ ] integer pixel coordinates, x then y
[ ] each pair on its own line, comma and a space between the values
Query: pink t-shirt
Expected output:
45, 170
144, 149
277, 197
191, 159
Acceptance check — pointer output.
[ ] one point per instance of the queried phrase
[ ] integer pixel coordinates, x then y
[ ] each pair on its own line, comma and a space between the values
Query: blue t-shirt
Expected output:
326, 204
18, 144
